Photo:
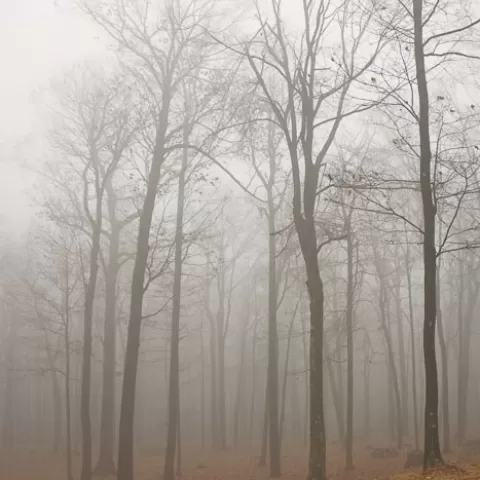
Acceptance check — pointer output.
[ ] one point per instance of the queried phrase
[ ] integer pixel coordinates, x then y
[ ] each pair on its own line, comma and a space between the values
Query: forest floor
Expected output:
238, 466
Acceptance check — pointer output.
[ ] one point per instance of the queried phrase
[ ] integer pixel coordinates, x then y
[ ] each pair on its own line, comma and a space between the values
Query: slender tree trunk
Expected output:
349, 321
85, 398
390, 355
56, 397
432, 454
444, 361
263, 452
105, 464
127, 409
274, 437
366, 392
335, 397
254, 359
413, 347
68, 403
8, 411
285, 373
401, 354
462, 404
222, 407
174, 383
213, 392
202, 390
239, 401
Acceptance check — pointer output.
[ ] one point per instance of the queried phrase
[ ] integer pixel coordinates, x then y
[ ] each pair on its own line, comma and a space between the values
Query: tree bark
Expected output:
413, 347
274, 437
174, 383
127, 409
349, 325
432, 454
86, 468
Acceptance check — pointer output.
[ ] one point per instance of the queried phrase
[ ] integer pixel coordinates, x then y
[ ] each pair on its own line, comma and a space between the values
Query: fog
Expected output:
238, 241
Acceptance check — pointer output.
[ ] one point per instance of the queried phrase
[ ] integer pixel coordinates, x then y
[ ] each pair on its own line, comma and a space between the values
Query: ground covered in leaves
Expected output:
229, 465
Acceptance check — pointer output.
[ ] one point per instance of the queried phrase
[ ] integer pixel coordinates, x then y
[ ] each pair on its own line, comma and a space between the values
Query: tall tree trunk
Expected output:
239, 400
274, 437
464, 333
366, 390
56, 396
305, 227
105, 464
174, 383
263, 451
432, 454
213, 390
86, 468
202, 388
8, 411
401, 353
462, 403
444, 360
68, 402
285, 372
335, 397
413, 347
127, 409
349, 326
254, 359
390, 354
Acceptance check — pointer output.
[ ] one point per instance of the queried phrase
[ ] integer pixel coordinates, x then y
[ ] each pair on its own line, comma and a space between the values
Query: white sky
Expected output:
37, 41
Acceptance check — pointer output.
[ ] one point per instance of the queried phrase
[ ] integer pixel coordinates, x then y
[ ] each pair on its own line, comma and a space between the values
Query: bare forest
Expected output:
253, 243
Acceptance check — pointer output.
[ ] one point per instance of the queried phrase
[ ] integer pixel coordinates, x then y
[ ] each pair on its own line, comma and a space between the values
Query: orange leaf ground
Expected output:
208, 465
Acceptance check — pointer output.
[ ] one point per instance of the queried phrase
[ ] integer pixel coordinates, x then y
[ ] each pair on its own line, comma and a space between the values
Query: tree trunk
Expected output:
263, 451
56, 396
444, 360
285, 373
413, 347
174, 383
213, 391
127, 409
105, 464
401, 354
68, 403
274, 437
335, 397
432, 454
86, 468
349, 326
254, 359
239, 401
8, 411
308, 242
